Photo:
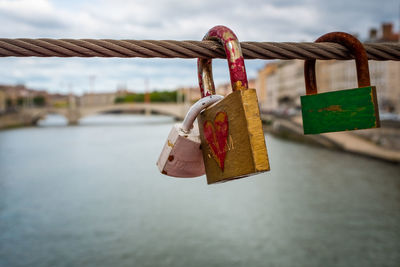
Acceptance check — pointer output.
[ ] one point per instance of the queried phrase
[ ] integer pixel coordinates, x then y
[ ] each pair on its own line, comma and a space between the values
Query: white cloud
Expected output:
252, 20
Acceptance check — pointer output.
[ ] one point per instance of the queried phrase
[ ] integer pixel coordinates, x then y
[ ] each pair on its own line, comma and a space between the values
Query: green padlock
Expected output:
343, 110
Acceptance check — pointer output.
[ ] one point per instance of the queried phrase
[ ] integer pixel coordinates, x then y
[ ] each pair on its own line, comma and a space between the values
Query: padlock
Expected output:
181, 155
232, 138
343, 110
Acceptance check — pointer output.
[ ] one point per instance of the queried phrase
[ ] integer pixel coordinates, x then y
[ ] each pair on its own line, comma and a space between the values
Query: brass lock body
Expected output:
232, 138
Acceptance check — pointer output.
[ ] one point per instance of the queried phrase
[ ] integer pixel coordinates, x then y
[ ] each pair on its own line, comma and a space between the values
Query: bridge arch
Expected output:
177, 111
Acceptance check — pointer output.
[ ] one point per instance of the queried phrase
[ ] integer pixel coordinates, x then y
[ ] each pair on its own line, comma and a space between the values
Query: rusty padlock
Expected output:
181, 155
232, 138
342, 110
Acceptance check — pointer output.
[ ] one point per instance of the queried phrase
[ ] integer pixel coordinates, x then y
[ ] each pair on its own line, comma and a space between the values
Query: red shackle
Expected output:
235, 59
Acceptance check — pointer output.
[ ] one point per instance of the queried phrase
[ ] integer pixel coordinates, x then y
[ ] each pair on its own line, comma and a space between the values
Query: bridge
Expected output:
74, 113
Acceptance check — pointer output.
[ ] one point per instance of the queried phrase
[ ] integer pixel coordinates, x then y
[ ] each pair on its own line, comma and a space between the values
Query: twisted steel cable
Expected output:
23, 47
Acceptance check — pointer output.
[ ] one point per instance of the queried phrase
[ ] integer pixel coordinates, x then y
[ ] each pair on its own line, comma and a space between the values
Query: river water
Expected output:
91, 195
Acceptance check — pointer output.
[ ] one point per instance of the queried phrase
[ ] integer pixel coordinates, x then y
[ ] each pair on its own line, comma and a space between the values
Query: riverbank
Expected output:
16, 120
382, 143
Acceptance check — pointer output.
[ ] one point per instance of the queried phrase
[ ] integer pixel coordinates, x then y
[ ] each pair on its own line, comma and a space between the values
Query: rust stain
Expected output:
239, 86
171, 158
331, 108
170, 144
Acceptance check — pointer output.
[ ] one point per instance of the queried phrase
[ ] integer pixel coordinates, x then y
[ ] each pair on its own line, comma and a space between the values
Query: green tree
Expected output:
39, 101
156, 96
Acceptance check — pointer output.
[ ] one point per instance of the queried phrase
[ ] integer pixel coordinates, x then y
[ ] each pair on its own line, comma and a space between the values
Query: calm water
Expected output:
91, 195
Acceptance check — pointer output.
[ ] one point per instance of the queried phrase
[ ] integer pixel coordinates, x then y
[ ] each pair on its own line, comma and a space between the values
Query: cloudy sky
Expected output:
251, 20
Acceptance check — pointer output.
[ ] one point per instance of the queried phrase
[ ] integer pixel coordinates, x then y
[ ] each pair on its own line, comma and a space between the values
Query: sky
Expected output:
251, 20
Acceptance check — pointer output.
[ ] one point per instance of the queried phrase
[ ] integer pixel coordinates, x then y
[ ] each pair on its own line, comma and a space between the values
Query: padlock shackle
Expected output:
234, 55
195, 110
355, 48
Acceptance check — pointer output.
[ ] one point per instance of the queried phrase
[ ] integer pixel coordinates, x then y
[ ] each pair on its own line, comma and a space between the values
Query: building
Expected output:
223, 89
385, 75
58, 100
97, 99
191, 94
226, 88
386, 34
17, 96
2, 102
261, 82
281, 83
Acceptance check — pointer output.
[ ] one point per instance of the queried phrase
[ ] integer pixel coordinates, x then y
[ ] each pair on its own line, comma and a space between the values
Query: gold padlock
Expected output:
232, 138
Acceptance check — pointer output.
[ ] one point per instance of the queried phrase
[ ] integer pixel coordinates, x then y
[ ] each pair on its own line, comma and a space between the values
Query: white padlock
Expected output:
181, 155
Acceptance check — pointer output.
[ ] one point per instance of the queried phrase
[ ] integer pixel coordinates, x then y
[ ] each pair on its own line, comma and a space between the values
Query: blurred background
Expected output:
79, 139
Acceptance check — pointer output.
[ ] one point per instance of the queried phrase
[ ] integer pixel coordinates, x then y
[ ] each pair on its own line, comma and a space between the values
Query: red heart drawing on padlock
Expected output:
216, 134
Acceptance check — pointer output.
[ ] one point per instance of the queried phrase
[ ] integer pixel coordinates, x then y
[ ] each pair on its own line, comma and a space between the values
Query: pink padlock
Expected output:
181, 155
